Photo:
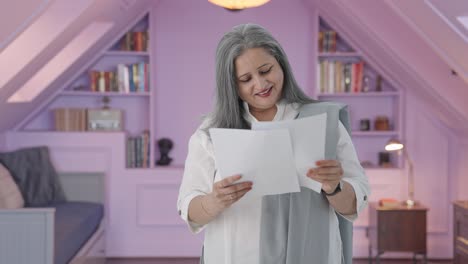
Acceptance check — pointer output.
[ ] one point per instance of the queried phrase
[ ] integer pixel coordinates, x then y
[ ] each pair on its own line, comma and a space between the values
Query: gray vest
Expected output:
295, 226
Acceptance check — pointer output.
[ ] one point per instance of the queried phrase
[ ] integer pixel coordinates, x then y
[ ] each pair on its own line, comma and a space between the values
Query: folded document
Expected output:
275, 156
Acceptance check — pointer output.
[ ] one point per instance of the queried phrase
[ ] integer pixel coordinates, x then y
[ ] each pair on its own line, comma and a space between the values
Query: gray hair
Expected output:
228, 110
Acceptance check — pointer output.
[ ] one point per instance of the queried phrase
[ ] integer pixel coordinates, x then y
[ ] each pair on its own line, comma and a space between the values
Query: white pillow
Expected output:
10, 195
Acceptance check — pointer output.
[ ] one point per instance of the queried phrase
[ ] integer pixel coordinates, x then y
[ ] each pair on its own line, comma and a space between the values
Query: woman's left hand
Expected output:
327, 172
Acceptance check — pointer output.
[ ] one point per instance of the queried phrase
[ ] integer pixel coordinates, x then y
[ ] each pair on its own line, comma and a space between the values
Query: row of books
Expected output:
340, 77
70, 119
138, 150
126, 79
134, 41
327, 41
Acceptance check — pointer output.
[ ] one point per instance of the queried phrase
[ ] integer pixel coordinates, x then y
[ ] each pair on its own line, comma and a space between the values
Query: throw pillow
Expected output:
32, 170
10, 196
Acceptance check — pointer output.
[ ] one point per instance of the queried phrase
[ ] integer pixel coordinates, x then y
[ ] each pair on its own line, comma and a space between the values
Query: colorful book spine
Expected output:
141, 77
147, 79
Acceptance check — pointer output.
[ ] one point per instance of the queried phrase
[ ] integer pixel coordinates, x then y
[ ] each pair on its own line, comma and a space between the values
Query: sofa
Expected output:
48, 225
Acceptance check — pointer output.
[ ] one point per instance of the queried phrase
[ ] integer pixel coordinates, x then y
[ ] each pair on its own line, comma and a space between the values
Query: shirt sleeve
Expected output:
198, 176
354, 174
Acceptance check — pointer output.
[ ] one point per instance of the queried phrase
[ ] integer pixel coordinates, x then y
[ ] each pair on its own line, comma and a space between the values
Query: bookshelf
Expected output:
121, 74
343, 75
101, 94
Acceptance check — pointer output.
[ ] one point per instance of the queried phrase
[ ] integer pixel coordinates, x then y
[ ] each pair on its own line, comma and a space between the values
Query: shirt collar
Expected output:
280, 105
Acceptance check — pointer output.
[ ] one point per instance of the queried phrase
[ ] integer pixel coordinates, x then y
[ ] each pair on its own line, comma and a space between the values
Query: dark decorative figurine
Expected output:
364, 124
165, 145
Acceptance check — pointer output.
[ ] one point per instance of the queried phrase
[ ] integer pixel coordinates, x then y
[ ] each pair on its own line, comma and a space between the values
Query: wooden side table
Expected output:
399, 228
460, 232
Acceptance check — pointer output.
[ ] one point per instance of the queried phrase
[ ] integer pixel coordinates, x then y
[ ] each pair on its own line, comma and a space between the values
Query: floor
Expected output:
195, 261
153, 261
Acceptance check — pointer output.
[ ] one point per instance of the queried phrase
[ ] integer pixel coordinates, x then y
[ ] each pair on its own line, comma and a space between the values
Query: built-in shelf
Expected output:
358, 133
73, 132
361, 94
158, 175
158, 169
376, 168
87, 93
126, 53
338, 54
344, 75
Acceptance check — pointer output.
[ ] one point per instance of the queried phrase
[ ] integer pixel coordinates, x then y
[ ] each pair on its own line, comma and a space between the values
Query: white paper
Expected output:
263, 157
308, 141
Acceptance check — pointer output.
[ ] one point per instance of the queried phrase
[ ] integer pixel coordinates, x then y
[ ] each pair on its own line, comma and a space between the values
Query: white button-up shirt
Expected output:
233, 237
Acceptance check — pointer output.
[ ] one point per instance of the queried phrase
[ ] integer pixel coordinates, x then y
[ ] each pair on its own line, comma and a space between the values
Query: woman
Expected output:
255, 83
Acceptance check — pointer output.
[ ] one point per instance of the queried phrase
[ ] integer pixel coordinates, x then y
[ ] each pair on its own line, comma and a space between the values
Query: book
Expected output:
389, 203
70, 119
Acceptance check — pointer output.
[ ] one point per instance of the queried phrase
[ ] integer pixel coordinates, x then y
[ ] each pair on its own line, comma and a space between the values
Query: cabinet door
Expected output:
460, 246
143, 217
402, 231
461, 255
144, 221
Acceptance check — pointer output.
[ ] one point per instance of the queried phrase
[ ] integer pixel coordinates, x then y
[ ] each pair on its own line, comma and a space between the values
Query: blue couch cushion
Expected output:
75, 223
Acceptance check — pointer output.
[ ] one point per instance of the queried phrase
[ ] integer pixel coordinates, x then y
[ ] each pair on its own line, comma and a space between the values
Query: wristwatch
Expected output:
337, 190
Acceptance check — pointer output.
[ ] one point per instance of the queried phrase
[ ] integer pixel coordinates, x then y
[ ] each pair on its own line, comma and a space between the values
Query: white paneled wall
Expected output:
428, 144
459, 166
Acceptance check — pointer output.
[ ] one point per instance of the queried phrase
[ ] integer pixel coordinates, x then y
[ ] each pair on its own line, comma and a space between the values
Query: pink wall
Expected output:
185, 38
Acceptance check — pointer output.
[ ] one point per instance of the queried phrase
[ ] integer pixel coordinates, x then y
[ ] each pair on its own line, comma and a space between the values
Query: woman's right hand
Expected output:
225, 193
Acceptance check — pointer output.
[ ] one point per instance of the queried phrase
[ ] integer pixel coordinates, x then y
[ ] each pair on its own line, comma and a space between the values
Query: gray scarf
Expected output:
295, 226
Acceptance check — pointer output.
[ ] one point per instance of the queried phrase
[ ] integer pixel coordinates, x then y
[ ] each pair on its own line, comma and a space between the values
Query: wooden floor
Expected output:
154, 261
195, 261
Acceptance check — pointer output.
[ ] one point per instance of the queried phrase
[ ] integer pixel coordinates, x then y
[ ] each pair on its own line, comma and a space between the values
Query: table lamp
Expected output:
396, 145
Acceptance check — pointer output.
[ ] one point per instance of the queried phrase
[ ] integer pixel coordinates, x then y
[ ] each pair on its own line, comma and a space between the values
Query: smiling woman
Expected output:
255, 83
260, 81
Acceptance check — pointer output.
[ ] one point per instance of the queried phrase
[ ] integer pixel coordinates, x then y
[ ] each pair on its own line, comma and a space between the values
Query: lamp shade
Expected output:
238, 4
393, 145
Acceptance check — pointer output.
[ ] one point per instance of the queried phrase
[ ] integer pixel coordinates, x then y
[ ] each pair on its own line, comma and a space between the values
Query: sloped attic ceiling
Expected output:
430, 18
55, 27
402, 54
19, 17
